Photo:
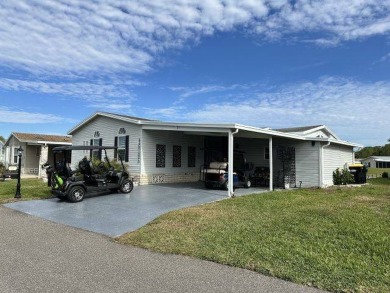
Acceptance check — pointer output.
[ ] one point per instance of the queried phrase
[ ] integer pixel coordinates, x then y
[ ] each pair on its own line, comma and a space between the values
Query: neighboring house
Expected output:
164, 152
37, 149
2, 152
377, 162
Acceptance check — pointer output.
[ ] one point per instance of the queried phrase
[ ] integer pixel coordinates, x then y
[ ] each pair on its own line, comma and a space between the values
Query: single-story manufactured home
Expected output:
377, 162
168, 152
37, 149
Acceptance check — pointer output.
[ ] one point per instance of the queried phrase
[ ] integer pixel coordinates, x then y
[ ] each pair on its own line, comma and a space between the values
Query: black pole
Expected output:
17, 193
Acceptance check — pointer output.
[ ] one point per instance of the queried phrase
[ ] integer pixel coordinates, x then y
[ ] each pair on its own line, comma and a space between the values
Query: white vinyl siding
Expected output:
254, 149
150, 138
335, 156
307, 163
108, 129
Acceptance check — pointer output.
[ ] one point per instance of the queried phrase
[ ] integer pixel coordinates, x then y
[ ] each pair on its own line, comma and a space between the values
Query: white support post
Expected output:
230, 164
271, 165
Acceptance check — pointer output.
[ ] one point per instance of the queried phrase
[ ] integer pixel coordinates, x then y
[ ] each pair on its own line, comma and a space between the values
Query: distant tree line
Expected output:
374, 151
2, 138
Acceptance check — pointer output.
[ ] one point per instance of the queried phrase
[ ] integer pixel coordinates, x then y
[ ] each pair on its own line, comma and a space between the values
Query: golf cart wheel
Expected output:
247, 183
126, 186
76, 194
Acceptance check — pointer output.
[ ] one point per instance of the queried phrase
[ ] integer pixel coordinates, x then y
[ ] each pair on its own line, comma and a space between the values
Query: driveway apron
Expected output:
115, 214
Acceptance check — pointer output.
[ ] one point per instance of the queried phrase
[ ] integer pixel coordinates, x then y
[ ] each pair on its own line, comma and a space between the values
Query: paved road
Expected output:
41, 256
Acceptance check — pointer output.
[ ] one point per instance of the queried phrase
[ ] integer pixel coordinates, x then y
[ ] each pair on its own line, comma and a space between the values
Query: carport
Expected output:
235, 134
115, 214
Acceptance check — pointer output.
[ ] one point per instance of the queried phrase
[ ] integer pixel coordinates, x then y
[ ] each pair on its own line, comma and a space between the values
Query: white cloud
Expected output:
79, 38
17, 116
192, 91
100, 93
356, 111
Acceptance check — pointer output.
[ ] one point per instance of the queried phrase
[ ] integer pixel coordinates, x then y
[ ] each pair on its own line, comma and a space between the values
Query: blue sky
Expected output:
261, 63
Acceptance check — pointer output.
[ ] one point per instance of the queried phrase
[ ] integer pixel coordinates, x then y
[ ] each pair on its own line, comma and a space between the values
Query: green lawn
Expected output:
336, 239
377, 171
30, 189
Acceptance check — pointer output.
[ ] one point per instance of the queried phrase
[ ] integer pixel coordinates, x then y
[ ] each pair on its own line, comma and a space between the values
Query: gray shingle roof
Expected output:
41, 137
298, 129
126, 116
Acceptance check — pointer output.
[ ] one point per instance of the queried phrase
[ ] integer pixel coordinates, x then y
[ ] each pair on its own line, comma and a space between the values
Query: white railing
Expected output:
34, 171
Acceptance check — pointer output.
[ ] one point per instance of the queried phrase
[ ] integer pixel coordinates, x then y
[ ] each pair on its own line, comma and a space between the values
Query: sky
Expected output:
261, 63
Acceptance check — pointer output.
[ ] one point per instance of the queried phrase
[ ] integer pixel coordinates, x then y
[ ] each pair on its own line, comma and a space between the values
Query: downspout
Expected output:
321, 161
230, 162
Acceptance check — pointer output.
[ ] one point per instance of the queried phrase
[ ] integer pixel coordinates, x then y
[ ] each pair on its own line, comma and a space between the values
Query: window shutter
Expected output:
100, 151
90, 151
127, 148
115, 145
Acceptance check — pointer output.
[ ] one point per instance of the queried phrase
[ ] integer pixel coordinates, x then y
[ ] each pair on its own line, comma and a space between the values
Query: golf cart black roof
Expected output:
82, 148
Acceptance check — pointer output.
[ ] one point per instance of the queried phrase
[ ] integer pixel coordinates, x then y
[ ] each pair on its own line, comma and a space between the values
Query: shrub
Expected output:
385, 175
337, 177
2, 168
342, 177
114, 163
347, 177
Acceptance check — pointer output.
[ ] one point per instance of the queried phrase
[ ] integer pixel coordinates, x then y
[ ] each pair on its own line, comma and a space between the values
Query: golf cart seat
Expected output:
86, 167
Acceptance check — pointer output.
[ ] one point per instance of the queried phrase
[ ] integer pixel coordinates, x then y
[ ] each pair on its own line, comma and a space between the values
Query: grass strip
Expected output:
30, 189
335, 239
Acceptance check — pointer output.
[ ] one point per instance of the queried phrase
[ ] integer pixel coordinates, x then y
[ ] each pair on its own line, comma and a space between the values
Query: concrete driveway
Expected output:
115, 214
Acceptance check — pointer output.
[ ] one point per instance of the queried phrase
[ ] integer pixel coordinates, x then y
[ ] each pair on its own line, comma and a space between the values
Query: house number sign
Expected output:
122, 131
96, 134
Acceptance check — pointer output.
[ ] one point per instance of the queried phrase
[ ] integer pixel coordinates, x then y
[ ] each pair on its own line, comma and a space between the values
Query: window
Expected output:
96, 153
383, 164
191, 156
266, 153
121, 147
85, 143
16, 155
176, 160
160, 156
122, 150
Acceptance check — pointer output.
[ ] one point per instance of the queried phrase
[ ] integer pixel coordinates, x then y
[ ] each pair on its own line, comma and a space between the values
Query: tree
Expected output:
2, 138
374, 151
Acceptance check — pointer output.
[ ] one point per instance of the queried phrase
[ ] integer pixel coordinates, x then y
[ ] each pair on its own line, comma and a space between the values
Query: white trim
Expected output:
230, 161
109, 115
321, 128
322, 164
271, 163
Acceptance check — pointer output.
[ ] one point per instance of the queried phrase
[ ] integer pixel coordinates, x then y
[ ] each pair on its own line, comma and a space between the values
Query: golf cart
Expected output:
88, 179
216, 174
